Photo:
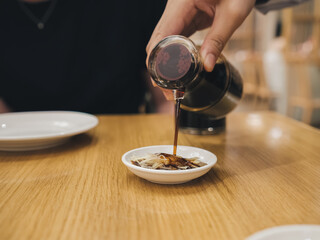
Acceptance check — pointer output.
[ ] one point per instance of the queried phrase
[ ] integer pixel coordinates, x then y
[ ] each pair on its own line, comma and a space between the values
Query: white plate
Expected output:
170, 176
23, 131
288, 232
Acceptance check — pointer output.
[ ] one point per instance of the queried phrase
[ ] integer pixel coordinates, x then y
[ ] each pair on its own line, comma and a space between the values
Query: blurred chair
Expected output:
300, 88
256, 92
301, 29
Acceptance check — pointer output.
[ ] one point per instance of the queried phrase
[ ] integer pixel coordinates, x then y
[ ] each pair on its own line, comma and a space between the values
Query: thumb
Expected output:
221, 30
211, 50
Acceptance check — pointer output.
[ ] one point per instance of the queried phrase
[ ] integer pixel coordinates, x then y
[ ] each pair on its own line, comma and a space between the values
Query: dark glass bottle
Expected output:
175, 63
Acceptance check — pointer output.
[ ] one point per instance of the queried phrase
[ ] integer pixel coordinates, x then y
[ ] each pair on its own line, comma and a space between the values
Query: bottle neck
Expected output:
175, 63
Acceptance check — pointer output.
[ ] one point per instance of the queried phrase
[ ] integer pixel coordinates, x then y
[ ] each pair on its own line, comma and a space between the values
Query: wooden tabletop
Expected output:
267, 174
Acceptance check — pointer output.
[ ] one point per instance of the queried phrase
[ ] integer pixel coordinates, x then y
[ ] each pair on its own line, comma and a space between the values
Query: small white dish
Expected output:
288, 232
23, 131
170, 176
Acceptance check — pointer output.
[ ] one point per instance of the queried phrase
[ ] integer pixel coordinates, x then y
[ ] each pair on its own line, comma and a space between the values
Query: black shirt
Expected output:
89, 56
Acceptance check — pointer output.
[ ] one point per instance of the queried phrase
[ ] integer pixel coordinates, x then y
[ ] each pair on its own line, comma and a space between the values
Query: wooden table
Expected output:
268, 174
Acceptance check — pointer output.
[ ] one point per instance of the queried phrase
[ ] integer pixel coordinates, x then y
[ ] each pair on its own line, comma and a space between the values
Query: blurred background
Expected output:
278, 56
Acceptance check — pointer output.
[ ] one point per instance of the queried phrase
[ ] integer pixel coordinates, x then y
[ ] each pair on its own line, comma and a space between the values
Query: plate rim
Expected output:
166, 172
69, 133
277, 229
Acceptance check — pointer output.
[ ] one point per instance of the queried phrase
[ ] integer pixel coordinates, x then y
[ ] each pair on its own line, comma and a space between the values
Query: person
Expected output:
89, 55
223, 17
75, 55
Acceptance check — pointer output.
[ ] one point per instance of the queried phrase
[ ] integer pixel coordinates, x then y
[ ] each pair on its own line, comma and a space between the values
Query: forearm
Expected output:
265, 6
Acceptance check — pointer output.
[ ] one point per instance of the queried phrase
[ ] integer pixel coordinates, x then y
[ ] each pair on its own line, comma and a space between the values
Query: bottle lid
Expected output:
174, 62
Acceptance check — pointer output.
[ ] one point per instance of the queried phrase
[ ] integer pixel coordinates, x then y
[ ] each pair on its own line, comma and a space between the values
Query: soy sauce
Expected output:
176, 125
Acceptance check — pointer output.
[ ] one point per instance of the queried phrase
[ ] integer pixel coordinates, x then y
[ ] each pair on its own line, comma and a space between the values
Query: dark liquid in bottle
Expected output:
211, 87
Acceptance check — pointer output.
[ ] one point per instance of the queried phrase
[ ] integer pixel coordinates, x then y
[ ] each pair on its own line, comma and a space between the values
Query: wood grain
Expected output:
267, 175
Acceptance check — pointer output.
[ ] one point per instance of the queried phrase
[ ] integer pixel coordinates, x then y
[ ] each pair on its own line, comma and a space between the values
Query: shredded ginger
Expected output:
167, 161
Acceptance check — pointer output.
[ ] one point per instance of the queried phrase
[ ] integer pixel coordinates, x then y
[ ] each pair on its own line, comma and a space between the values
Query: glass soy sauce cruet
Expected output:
206, 97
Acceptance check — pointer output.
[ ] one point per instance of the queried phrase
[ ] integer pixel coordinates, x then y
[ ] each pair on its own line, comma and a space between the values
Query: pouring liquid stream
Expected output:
178, 95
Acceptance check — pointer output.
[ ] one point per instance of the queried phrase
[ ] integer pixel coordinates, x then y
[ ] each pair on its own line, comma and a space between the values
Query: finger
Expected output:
153, 83
201, 21
173, 22
168, 94
223, 26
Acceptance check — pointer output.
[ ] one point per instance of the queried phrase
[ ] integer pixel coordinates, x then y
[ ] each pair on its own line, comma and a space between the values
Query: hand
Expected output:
184, 17
3, 107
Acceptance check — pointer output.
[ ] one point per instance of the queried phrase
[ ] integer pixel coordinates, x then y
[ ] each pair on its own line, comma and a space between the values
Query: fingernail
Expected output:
209, 62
